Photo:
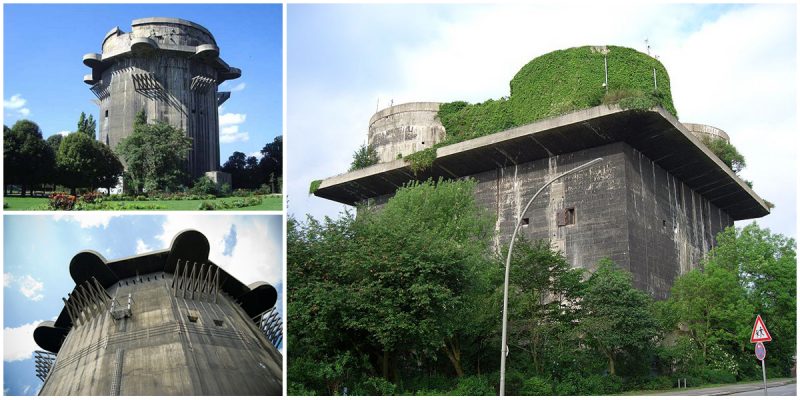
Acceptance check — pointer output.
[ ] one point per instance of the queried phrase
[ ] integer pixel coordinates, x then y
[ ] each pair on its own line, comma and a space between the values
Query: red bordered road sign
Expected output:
760, 332
761, 351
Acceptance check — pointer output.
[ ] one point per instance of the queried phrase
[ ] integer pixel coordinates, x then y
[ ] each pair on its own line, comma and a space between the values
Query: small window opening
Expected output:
193, 315
525, 221
218, 322
664, 223
566, 217
106, 113
423, 142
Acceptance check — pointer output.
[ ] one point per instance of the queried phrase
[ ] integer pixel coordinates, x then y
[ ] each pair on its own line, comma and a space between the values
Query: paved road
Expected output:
776, 387
786, 390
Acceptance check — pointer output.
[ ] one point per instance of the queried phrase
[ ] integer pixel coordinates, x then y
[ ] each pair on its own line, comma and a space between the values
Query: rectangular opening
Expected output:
218, 322
525, 222
566, 217
106, 113
569, 216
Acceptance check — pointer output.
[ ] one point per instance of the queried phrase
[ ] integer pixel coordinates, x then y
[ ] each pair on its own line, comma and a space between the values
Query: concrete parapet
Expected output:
711, 132
404, 129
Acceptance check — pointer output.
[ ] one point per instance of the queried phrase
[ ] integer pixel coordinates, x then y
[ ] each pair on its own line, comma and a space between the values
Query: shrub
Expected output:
62, 201
536, 386
91, 197
717, 376
473, 386
375, 386
314, 186
204, 186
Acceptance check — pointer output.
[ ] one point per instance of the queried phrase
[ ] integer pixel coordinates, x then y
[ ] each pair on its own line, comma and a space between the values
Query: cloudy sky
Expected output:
731, 66
36, 272
43, 72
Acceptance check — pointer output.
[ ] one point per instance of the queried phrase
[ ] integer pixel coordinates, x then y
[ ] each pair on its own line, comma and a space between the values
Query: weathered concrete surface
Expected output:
188, 340
653, 205
655, 133
711, 132
403, 129
170, 68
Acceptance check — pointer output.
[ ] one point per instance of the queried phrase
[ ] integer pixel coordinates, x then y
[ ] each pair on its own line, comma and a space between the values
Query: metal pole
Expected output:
764, 374
508, 267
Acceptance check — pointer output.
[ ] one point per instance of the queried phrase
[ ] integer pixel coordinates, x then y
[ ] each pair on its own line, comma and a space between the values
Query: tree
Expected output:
766, 267
236, 167
272, 157
364, 157
155, 156
54, 141
543, 292
77, 161
388, 289
109, 167
711, 306
726, 152
27, 158
615, 316
87, 125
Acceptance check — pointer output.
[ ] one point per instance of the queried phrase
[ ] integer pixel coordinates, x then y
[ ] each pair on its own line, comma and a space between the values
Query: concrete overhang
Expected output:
188, 245
655, 133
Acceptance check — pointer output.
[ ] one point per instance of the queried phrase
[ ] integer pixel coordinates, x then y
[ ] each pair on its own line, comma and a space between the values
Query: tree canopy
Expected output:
27, 158
365, 156
155, 156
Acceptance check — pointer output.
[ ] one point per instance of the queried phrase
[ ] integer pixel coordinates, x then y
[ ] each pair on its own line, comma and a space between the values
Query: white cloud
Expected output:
27, 285
231, 134
229, 128
18, 342
256, 154
31, 288
231, 119
63, 133
239, 87
87, 220
141, 247
15, 102
256, 256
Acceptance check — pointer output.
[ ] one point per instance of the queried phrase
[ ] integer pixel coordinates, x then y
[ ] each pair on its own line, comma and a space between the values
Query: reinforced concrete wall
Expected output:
398, 131
626, 208
159, 350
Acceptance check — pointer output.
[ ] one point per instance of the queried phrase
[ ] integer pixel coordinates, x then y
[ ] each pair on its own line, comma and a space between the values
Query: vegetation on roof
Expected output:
558, 83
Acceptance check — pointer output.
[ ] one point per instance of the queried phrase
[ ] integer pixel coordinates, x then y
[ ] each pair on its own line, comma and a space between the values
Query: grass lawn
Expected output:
36, 203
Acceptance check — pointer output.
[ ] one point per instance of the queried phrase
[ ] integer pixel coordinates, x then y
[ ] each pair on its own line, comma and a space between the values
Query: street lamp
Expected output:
504, 347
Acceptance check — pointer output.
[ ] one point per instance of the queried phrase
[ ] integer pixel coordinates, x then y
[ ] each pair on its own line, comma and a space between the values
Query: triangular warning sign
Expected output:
760, 332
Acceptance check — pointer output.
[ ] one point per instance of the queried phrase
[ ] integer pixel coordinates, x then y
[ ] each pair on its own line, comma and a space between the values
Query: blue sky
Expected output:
36, 272
43, 71
730, 66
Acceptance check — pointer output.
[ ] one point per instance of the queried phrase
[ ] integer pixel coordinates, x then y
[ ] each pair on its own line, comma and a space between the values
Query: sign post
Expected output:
759, 336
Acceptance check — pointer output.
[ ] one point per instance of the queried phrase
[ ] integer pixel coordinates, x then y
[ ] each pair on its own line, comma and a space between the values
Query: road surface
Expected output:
785, 390
775, 387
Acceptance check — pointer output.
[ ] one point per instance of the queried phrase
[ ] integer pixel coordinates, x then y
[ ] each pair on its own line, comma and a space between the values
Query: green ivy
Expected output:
561, 82
421, 160
314, 186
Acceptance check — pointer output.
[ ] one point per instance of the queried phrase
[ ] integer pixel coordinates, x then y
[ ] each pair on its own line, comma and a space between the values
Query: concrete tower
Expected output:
168, 322
404, 129
170, 68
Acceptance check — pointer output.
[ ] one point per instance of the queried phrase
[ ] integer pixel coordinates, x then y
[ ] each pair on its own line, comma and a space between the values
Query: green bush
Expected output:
297, 389
375, 386
314, 186
554, 84
536, 386
204, 186
717, 376
473, 386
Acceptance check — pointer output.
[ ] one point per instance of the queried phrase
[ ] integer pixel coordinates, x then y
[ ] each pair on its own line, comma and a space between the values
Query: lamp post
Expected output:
504, 346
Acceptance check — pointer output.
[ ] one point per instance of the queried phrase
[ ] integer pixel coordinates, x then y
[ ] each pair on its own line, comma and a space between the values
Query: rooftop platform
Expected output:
655, 133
